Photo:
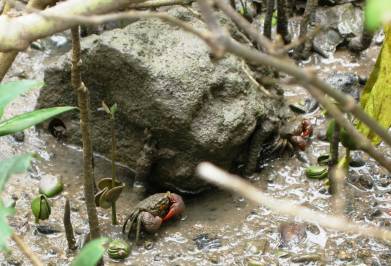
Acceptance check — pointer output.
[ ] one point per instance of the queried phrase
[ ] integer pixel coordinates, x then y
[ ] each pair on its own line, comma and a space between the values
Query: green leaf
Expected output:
91, 253
14, 165
113, 109
376, 11
26, 120
376, 96
10, 90
5, 229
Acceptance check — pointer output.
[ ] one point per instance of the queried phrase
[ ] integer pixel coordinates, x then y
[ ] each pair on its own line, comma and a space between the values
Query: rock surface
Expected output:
341, 23
348, 83
164, 80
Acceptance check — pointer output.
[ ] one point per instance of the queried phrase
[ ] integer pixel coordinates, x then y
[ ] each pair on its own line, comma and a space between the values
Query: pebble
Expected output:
343, 255
366, 181
18, 136
306, 258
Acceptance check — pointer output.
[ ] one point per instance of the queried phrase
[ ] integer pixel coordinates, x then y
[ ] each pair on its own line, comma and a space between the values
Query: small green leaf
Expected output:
10, 90
14, 165
113, 109
5, 229
105, 108
26, 120
376, 11
91, 253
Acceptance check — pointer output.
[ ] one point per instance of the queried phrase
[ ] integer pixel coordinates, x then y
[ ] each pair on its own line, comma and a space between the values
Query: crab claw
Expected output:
151, 223
307, 128
299, 142
176, 208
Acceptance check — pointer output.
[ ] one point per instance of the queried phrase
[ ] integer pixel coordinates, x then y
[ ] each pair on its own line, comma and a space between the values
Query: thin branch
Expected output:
211, 173
6, 59
160, 3
262, 41
31, 27
339, 175
252, 79
262, 59
362, 142
305, 78
26, 250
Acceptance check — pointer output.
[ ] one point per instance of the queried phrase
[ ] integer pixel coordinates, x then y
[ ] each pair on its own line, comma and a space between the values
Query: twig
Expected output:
28, 28
362, 142
99, 19
83, 101
339, 175
211, 173
160, 3
68, 226
26, 250
6, 59
252, 79
306, 79
262, 41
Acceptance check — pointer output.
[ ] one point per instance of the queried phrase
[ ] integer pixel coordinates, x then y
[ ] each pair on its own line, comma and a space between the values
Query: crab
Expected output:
151, 212
292, 135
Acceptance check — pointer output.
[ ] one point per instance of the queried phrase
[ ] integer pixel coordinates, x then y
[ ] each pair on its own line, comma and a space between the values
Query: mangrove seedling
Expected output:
110, 189
316, 172
118, 249
50, 186
41, 208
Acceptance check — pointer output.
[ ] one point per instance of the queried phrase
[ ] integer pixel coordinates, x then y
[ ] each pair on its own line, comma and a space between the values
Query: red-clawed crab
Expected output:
151, 212
293, 134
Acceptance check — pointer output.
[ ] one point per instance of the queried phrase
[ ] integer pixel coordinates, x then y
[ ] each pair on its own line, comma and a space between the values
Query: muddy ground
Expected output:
218, 228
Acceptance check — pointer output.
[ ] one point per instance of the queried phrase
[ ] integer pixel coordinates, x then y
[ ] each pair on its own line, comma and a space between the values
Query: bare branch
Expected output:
234, 183
159, 3
26, 250
261, 40
308, 80
28, 28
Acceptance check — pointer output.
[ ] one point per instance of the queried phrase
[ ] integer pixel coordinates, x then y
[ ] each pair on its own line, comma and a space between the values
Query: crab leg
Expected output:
138, 228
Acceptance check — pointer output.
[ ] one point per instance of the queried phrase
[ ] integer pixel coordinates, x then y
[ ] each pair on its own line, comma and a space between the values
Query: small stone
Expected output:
306, 258
148, 245
13, 260
343, 255
37, 46
366, 182
292, 233
253, 262
375, 213
356, 161
213, 258
18, 136
364, 253
48, 229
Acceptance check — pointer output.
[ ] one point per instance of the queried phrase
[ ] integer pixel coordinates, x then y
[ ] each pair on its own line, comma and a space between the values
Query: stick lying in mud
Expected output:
213, 174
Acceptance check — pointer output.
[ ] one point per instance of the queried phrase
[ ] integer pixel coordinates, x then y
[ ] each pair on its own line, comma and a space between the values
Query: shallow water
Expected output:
218, 227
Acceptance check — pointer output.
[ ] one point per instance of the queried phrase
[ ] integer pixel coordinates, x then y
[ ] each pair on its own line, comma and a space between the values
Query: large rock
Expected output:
163, 79
341, 23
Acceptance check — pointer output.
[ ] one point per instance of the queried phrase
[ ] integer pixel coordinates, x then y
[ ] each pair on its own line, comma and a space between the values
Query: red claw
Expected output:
176, 208
307, 128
